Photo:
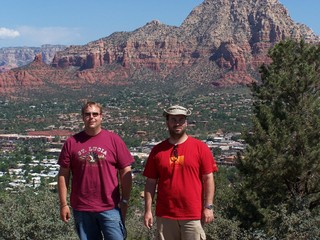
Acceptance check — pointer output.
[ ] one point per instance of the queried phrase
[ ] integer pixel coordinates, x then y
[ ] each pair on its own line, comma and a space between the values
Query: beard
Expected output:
176, 134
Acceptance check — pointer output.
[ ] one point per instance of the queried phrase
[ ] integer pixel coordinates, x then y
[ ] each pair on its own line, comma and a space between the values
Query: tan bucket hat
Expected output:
176, 110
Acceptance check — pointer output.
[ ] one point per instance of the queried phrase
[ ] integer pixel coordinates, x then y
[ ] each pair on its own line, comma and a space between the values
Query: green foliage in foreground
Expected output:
35, 215
32, 215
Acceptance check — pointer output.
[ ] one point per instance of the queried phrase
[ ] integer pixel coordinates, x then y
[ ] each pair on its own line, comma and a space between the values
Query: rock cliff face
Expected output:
221, 42
13, 57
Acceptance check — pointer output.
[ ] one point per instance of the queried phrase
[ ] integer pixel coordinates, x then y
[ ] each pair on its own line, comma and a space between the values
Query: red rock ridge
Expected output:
221, 42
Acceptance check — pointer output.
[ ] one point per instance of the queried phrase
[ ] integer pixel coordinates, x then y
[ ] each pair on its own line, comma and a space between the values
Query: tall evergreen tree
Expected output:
280, 170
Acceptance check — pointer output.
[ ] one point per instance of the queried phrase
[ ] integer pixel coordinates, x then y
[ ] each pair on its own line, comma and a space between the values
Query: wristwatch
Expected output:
210, 206
124, 201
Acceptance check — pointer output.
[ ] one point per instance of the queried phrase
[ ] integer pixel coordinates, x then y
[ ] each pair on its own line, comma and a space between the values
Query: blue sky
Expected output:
76, 22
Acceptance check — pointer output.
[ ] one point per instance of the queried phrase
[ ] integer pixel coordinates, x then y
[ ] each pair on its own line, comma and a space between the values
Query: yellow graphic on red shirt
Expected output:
179, 160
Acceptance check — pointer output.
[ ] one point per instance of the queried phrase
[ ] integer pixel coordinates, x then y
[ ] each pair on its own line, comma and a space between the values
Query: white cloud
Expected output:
36, 36
8, 33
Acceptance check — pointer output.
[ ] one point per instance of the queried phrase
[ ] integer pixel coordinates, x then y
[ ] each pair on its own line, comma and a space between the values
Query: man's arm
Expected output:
208, 189
126, 186
149, 191
63, 183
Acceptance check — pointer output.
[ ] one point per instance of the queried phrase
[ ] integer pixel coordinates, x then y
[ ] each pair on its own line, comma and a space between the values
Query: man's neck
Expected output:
92, 132
178, 140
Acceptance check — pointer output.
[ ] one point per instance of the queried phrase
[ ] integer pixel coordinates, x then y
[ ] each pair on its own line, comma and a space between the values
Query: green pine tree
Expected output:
279, 192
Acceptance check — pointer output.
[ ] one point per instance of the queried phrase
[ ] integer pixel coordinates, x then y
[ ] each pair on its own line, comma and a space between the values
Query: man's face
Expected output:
92, 117
177, 125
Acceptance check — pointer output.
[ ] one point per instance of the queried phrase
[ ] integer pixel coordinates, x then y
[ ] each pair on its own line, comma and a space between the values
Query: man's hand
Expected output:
207, 216
148, 220
65, 213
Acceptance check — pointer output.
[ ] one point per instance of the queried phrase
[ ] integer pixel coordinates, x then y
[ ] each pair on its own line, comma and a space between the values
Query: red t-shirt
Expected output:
180, 193
94, 162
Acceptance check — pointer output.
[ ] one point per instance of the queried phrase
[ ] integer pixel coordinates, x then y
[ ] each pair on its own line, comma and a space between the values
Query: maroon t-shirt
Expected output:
94, 162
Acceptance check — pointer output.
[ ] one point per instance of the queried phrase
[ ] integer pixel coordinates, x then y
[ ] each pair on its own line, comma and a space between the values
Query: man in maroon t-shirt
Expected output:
181, 168
94, 157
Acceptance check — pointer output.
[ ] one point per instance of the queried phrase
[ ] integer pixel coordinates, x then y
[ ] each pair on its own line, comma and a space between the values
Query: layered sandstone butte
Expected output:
221, 42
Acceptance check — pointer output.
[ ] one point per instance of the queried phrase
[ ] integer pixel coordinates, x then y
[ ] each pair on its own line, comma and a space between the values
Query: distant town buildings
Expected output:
20, 178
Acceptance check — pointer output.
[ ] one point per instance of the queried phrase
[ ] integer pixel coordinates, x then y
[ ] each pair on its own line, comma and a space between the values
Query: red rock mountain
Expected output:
221, 42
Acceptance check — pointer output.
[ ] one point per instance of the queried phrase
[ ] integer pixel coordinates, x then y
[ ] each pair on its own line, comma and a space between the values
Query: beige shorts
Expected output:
169, 229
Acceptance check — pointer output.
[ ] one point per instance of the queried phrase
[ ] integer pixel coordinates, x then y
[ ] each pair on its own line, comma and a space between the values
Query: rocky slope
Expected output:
221, 43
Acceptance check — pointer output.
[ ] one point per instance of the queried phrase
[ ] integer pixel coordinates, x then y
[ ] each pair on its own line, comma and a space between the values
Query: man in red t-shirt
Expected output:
93, 159
181, 168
